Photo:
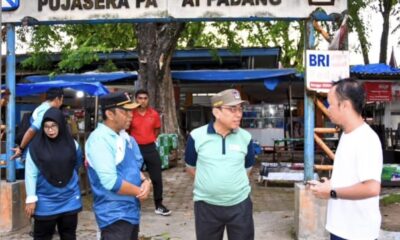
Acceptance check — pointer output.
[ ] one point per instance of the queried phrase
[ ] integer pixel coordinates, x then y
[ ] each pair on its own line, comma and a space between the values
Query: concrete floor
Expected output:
273, 213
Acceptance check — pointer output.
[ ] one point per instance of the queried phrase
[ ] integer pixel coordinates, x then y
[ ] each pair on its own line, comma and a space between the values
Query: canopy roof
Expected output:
85, 77
231, 75
270, 77
374, 71
92, 88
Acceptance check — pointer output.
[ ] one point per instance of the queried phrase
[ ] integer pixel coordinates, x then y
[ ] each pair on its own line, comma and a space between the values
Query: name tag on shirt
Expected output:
234, 147
120, 154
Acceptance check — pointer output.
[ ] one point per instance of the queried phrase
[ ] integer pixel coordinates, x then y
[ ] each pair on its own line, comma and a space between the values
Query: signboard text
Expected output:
324, 67
64, 11
196, 3
65, 5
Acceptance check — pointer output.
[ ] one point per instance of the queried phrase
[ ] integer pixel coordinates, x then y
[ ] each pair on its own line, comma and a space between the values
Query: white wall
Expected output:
392, 114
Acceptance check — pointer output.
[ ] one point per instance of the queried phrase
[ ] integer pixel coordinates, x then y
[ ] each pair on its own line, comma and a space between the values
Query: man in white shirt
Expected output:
353, 191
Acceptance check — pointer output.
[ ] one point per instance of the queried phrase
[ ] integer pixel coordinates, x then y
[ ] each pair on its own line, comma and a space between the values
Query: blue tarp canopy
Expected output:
84, 77
231, 75
89, 83
375, 69
270, 77
187, 75
92, 88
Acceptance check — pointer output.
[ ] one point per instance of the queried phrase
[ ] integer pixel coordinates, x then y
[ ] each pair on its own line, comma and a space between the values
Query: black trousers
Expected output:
153, 164
66, 226
334, 237
211, 220
120, 230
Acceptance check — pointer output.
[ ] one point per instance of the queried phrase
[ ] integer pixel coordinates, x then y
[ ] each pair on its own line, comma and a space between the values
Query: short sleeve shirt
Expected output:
358, 158
37, 115
221, 177
143, 126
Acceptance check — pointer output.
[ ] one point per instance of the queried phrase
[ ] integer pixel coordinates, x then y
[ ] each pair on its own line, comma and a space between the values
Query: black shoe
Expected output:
162, 210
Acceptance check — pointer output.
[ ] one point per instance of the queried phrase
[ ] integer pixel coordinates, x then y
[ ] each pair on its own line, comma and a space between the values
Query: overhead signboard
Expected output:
251, 8
396, 91
62, 11
325, 67
378, 91
9, 5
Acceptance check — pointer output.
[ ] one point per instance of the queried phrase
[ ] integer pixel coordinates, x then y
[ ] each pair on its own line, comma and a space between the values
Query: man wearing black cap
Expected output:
114, 162
220, 155
54, 98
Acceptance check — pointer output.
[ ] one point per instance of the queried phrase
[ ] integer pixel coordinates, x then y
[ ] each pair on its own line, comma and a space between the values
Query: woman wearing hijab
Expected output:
51, 179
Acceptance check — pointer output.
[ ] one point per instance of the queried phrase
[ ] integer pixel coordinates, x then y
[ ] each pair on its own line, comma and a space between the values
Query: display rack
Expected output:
265, 122
263, 116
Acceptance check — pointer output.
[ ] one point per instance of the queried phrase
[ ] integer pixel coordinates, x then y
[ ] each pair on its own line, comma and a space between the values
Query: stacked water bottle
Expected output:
165, 144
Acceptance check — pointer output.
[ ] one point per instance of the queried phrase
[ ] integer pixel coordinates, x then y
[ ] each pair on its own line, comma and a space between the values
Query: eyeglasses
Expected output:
142, 98
233, 109
52, 127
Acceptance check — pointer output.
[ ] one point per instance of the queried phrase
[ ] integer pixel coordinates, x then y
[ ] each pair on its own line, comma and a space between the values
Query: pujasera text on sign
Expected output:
324, 67
61, 11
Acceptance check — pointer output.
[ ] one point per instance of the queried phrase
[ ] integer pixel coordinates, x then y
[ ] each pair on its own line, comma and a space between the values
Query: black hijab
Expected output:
55, 158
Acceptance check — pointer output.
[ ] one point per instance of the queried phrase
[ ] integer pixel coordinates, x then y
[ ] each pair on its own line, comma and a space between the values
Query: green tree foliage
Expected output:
86, 41
387, 9
360, 26
79, 44
42, 40
396, 14
236, 35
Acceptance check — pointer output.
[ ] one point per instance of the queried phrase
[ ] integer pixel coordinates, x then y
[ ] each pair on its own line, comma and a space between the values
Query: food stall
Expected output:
34, 89
382, 87
265, 122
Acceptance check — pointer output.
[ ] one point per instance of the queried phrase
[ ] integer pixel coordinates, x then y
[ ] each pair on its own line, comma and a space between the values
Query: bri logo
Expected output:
9, 5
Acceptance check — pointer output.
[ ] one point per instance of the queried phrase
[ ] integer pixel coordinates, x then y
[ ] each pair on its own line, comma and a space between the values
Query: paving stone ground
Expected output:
273, 213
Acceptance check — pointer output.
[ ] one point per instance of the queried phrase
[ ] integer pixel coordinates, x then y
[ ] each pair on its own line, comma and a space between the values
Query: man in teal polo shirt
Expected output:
220, 155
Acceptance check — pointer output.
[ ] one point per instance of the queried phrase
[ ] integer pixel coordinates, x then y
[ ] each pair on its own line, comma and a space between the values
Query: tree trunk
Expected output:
156, 44
361, 37
300, 46
385, 9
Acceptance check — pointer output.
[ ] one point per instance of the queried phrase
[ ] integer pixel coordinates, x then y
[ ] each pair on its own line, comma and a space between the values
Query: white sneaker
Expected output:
162, 210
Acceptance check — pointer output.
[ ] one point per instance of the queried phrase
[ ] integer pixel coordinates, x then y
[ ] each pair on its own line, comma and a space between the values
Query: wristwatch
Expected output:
333, 194
21, 148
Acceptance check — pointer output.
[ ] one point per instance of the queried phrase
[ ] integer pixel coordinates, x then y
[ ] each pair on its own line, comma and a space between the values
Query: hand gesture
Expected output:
320, 189
144, 190
30, 209
17, 153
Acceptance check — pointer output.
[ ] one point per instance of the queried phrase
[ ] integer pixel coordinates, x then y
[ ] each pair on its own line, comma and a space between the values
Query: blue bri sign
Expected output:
324, 67
9, 5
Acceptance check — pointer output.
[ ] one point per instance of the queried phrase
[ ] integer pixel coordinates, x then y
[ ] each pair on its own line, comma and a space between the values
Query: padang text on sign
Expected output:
196, 3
